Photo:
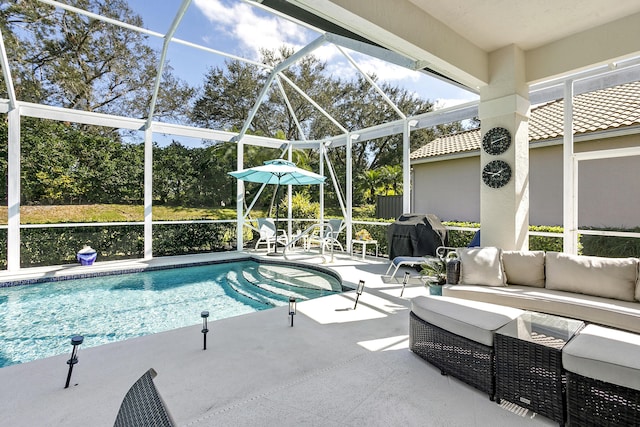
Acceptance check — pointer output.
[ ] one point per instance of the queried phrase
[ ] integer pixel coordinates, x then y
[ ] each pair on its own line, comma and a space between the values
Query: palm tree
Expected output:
372, 179
392, 177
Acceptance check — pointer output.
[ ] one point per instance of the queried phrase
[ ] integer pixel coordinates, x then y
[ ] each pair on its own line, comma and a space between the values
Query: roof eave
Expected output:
589, 136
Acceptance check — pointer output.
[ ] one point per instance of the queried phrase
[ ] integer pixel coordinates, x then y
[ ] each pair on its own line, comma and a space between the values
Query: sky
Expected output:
238, 28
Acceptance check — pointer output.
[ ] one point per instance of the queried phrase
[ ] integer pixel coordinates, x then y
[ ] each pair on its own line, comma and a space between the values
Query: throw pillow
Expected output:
591, 275
481, 266
524, 268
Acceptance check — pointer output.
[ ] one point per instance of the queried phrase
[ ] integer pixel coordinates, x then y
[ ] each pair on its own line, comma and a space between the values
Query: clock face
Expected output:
496, 141
496, 173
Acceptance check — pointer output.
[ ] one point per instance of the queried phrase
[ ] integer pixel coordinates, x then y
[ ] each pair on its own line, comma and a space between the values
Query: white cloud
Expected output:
252, 29
386, 71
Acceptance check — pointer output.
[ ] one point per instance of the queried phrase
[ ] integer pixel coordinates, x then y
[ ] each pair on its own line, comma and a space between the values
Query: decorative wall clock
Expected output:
496, 141
496, 173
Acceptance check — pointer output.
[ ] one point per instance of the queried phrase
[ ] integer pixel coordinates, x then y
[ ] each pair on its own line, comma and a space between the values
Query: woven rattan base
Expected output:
592, 402
531, 376
454, 355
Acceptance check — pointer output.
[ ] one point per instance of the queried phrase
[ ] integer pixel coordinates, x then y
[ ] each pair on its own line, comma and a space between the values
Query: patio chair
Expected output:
412, 261
269, 234
143, 406
332, 229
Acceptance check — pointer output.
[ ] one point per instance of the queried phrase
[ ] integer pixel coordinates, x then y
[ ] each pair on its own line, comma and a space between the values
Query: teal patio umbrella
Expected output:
279, 172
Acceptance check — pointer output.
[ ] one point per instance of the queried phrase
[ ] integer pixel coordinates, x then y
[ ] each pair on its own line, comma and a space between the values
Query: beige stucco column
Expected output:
504, 212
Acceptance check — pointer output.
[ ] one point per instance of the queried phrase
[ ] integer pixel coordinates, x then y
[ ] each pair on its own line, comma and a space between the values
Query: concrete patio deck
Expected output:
336, 367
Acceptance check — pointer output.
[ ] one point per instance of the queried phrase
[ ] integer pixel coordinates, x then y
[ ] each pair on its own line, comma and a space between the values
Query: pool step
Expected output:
273, 284
295, 279
242, 287
254, 278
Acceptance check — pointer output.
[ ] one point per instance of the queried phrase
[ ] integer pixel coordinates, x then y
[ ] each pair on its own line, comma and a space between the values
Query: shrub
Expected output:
544, 243
57, 246
611, 246
301, 206
461, 239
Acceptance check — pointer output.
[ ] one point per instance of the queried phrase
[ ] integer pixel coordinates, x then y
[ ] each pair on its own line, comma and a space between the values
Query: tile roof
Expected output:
599, 110
456, 143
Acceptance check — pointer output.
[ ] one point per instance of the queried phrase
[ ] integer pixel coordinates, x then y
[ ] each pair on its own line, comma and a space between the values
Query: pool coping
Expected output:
75, 271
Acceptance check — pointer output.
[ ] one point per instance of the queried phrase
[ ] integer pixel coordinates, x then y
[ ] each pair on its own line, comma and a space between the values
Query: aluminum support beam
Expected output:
281, 66
13, 191
291, 110
239, 197
335, 184
406, 166
570, 182
163, 57
148, 193
6, 73
372, 83
314, 103
349, 178
322, 150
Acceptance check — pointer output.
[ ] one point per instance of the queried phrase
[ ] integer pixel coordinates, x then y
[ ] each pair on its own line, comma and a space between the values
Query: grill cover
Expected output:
416, 235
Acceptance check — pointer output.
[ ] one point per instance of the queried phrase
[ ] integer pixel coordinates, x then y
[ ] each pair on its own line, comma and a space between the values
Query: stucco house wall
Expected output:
609, 189
447, 179
449, 189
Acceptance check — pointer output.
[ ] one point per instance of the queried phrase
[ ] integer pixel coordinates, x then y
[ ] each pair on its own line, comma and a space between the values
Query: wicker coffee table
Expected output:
529, 369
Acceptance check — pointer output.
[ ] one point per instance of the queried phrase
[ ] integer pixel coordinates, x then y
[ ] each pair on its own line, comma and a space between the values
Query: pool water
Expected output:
38, 321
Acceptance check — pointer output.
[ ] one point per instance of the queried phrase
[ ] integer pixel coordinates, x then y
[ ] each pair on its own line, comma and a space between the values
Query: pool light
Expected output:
76, 340
359, 292
292, 309
404, 281
205, 327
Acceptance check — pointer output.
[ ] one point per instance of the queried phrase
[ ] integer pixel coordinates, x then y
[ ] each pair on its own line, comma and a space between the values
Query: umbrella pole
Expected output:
277, 215
275, 251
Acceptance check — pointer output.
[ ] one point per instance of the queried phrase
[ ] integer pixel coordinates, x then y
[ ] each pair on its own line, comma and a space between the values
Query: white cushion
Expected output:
603, 311
605, 277
605, 354
481, 266
524, 268
473, 320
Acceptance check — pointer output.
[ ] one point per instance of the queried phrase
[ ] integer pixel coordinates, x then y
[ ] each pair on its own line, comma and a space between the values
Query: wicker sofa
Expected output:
599, 290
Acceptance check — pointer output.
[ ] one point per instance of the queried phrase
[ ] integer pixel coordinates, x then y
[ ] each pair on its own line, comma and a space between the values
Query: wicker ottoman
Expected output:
603, 377
456, 335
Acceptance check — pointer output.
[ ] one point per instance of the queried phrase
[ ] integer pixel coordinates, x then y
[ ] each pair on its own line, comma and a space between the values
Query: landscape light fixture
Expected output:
205, 327
76, 340
292, 309
404, 281
359, 292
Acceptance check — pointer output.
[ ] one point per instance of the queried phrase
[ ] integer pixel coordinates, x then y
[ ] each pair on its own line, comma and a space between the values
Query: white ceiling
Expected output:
462, 39
492, 24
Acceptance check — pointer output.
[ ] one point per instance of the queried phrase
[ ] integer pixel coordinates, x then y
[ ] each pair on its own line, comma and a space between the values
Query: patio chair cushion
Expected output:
524, 268
473, 320
481, 266
605, 354
605, 277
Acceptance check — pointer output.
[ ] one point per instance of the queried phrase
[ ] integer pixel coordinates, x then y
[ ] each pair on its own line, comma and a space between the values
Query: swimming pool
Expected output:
37, 321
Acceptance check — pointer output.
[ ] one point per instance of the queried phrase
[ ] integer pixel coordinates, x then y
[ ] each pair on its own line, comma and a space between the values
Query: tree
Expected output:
369, 184
173, 173
63, 163
66, 59
391, 177
229, 94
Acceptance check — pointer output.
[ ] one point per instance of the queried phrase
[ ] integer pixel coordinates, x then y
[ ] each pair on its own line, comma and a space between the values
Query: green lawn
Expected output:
54, 214
114, 213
